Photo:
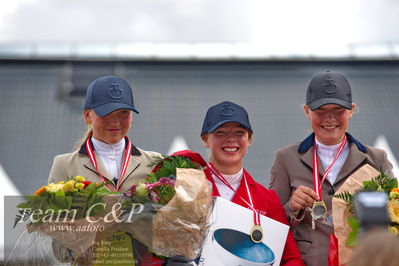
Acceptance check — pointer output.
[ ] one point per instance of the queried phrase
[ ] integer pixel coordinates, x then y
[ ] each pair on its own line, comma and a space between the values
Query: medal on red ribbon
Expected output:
319, 208
256, 232
128, 151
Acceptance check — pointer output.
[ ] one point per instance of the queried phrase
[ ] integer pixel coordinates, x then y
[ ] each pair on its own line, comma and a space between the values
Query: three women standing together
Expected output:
303, 175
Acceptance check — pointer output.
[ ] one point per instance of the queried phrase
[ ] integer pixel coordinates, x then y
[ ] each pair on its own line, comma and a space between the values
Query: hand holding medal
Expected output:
302, 198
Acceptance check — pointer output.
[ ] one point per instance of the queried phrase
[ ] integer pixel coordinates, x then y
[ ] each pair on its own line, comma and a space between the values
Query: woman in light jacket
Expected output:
106, 154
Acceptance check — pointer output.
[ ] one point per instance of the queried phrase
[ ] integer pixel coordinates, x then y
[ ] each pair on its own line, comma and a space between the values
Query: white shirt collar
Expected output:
110, 154
104, 148
327, 153
234, 180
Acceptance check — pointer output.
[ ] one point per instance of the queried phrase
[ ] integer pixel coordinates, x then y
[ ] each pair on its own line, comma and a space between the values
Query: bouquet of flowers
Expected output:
393, 209
67, 200
66, 212
175, 202
380, 183
346, 226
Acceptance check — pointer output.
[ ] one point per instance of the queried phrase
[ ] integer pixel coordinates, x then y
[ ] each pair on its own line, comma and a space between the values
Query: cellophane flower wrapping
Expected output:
179, 227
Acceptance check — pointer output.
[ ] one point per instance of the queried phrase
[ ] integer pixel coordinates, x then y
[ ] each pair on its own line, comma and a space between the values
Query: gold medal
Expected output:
319, 210
256, 233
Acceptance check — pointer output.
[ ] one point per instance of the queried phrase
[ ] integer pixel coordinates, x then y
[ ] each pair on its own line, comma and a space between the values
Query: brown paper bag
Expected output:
179, 227
341, 212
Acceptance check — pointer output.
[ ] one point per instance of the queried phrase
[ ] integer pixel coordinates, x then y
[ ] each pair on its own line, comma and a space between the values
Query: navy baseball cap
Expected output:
107, 94
222, 113
329, 88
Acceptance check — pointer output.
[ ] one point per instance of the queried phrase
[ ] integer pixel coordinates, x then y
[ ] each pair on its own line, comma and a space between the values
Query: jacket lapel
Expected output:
357, 155
355, 158
101, 168
306, 148
133, 164
307, 158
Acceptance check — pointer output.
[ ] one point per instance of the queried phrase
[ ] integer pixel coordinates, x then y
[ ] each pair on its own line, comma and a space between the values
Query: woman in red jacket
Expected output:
227, 132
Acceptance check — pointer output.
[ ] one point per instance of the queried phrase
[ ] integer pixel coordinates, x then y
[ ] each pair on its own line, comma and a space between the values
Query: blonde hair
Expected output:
377, 248
83, 139
88, 133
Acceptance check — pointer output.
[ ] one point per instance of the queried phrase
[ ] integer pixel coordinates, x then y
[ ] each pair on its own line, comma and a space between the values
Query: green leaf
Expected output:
353, 235
381, 182
24, 205
32, 197
22, 215
166, 193
345, 196
60, 193
61, 201
68, 200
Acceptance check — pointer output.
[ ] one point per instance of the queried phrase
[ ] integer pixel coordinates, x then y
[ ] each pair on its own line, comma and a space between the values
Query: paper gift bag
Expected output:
341, 211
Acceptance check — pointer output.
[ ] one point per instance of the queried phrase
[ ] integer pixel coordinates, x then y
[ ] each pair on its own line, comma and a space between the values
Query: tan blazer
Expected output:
293, 167
76, 163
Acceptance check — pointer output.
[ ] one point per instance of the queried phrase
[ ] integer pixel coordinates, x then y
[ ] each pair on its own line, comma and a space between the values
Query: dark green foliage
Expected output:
345, 196
380, 183
168, 165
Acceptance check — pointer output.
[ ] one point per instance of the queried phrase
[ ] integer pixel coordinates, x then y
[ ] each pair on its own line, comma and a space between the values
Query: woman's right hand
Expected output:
301, 198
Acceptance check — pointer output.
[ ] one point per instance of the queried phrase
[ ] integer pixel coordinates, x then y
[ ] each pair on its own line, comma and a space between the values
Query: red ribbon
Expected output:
216, 173
128, 151
316, 183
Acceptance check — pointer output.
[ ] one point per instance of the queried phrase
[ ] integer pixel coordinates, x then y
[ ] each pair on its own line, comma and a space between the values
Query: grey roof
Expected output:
196, 51
41, 106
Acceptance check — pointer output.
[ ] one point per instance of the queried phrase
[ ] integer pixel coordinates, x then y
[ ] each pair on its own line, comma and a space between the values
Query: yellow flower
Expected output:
80, 178
68, 186
394, 194
54, 187
79, 186
394, 230
393, 208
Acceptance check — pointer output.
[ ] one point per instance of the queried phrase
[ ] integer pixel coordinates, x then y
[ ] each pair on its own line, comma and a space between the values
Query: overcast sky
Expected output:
275, 23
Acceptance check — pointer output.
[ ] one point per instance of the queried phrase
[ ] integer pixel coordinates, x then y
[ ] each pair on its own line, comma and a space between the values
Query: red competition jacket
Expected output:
268, 204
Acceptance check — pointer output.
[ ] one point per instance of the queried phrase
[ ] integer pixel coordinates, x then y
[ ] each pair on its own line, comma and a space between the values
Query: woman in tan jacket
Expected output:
307, 174
106, 154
